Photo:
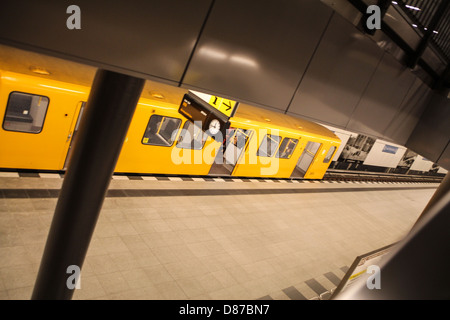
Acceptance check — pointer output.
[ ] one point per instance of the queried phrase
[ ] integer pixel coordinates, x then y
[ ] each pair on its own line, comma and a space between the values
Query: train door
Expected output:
305, 160
34, 130
230, 152
73, 132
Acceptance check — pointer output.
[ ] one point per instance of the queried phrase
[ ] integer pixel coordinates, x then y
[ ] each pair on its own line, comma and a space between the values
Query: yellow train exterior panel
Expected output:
264, 122
47, 149
137, 157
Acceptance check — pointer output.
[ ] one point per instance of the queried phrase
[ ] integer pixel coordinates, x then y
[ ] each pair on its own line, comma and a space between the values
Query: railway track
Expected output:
340, 175
330, 175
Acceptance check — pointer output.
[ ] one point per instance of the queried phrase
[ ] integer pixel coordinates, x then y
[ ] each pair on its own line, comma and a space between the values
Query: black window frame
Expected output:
276, 148
332, 154
281, 143
146, 128
31, 94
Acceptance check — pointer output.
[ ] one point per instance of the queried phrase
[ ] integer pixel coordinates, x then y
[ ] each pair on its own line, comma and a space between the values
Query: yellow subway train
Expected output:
40, 118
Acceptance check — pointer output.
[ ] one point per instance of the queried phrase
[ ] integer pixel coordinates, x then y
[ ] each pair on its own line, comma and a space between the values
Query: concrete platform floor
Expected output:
209, 239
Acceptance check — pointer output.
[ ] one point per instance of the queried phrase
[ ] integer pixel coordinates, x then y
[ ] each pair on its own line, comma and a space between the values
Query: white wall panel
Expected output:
421, 164
385, 154
442, 170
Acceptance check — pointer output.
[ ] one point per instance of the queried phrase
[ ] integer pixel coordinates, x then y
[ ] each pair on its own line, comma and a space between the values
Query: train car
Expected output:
359, 152
38, 121
282, 146
160, 140
40, 118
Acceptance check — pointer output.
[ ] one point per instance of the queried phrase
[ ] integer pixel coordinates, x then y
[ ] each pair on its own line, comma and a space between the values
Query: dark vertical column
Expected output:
103, 128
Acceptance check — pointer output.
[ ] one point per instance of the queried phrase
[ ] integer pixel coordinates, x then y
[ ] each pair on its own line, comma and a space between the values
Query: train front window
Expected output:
25, 112
329, 155
191, 137
161, 131
268, 145
287, 148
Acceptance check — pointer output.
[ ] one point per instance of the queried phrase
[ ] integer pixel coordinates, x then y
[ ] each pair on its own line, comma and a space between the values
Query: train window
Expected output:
268, 146
161, 131
287, 147
329, 155
25, 112
234, 144
191, 137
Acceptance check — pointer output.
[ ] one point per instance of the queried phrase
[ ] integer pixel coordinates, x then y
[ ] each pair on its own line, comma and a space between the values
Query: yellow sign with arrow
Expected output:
225, 106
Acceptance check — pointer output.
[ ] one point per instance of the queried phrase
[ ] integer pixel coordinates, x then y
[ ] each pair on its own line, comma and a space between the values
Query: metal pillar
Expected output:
103, 128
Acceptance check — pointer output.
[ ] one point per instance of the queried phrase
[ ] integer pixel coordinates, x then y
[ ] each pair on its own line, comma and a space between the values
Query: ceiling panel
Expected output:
401, 126
145, 38
22, 61
382, 97
257, 52
431, 135
338, 74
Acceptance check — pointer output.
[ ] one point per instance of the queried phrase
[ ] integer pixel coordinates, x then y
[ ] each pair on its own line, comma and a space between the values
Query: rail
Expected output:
342, 175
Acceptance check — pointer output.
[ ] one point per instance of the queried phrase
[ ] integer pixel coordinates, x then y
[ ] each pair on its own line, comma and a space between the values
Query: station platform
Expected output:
209, 238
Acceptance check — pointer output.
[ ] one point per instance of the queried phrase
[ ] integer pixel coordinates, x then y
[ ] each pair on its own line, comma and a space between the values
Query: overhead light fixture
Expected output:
213, 53
394, 2
414, 25
242, 60
39, 70
412, 8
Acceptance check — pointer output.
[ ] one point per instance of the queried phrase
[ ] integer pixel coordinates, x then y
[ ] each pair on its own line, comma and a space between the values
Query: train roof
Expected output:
271, 118
72, 73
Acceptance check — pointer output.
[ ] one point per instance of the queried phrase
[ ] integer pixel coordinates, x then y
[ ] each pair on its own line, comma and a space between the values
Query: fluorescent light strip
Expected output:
412, 8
